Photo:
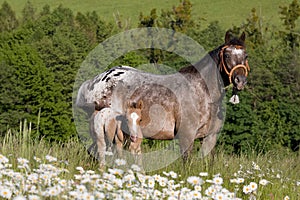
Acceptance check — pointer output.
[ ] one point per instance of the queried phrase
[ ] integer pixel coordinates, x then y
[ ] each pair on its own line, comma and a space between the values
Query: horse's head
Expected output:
233, 61
133, 116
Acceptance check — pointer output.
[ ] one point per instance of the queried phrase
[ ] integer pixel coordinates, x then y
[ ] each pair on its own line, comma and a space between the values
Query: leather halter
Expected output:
245, 67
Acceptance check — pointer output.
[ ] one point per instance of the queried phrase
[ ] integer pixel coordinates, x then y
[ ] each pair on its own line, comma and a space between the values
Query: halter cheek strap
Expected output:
245, 67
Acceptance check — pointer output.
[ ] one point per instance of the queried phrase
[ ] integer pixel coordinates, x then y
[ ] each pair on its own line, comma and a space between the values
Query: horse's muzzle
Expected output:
240, 81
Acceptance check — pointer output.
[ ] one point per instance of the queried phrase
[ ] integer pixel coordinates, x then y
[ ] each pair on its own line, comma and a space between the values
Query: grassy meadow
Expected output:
228, 13
37, 170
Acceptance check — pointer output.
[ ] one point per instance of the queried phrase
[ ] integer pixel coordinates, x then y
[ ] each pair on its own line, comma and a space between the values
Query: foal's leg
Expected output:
101, 144
136, 151
119, 139
100, 140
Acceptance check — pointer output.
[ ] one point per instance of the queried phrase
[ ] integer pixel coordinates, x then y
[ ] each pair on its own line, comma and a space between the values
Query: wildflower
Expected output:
298, 183
286, 198
87, 196
33, 197
194, 180
120, 162
247, 189
99, 195
117, 182
263, 182
5, 193
157, 193
210, 191
253, 186
51, 158
278, 176
151, 182
37, 159
53, 191
240, 180
81, 188
218, 180
173, 174
195, 194
127, 195
255, 166
80, 169
163, 181
203, 174
22, 161
3, 159
234, 180
198, 188
129, 178
219, 196
19, 197
117, 172
135, 168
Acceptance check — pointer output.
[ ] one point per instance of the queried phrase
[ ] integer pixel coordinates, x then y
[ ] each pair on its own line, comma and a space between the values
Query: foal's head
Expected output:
233, 61
133, 116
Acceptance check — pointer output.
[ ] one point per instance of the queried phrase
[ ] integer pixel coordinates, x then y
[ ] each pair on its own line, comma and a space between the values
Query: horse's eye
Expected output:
227, 55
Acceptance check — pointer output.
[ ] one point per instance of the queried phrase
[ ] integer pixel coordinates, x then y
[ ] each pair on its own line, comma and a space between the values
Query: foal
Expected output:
133, 117
106, 130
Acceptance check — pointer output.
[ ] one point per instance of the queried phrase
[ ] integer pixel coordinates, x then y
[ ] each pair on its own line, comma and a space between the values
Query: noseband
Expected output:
245, 67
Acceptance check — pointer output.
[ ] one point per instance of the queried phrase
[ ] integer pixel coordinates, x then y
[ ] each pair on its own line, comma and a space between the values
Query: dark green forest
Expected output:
41, 52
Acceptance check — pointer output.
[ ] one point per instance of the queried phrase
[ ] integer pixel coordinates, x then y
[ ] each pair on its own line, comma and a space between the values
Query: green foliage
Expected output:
290, 15
8, 20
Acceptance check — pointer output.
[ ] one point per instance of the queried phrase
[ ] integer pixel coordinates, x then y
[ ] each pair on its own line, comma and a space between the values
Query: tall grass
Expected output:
280, 168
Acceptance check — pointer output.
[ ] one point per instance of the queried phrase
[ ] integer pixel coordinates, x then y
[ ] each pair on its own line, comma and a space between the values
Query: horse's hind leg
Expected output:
186, 145
208, 144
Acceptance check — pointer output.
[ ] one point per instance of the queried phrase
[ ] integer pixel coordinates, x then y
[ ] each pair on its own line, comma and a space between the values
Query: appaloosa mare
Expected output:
186, 105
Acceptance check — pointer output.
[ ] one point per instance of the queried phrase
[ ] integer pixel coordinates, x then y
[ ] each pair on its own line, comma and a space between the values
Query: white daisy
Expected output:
203, 174
194, 180
253, 186
247, 189
263, 182
218, 180
120, 162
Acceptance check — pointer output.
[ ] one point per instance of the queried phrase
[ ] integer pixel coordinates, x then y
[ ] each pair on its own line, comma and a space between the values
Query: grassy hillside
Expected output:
228, 13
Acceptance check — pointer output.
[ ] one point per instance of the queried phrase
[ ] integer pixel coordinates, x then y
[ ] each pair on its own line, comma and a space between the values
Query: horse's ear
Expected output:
140, 104
228, 36
243, 36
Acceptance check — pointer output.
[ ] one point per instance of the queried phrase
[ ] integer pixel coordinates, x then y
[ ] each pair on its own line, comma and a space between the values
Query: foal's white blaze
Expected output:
134, 118
237, 51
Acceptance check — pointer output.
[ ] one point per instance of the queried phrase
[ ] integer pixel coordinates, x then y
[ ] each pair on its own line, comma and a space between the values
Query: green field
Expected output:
228, 13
